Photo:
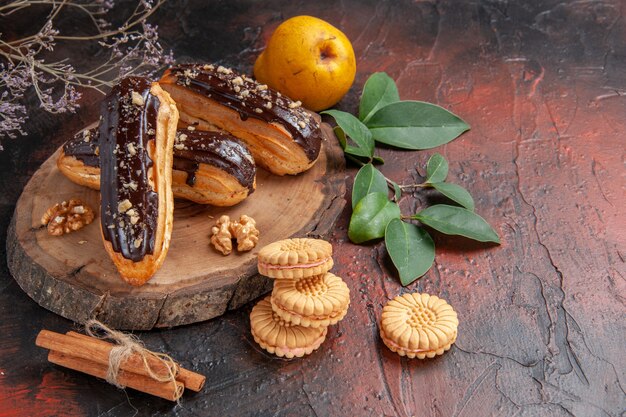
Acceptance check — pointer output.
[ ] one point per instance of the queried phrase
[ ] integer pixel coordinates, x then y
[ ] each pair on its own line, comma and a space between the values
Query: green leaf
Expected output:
455, 193
350, 149
436, 169
370, 217
378, 160
341, 136
411, 249
355, 130
368, 180
453, 220
378, 91
415, 125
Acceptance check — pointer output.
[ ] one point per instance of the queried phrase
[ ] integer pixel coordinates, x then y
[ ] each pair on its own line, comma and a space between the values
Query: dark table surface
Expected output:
542, 329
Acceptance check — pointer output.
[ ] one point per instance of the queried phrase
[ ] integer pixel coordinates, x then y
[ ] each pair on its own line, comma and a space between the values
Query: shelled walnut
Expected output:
67, 217
221, 237
243, 231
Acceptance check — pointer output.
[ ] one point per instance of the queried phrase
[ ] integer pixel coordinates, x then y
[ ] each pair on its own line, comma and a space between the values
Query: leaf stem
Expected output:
409, 186
361, 163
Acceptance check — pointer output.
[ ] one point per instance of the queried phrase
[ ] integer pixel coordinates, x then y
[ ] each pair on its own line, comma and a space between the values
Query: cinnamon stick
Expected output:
190, 379
92, 349
141, 383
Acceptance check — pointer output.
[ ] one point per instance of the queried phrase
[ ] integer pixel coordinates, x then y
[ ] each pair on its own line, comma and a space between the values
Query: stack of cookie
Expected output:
306, 299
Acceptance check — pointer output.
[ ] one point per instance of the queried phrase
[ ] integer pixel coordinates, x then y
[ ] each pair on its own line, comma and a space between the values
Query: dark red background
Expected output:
542, 83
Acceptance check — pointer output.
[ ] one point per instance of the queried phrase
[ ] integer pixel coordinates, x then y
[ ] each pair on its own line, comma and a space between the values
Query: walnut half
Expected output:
245, 232
225, 230
221, 237
67, 217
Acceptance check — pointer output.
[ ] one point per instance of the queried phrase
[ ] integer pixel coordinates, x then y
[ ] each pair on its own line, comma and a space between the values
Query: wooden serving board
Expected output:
72, 275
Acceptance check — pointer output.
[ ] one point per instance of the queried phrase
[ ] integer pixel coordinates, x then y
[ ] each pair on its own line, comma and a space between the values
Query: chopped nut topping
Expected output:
179, 146
67, 217
190, 128
182, 137
268, 105
295, 104
262, 87
237, 81
301, 124
224, 70
124, 205
131, 149
134, 216
257, 110
137, 242
137, 98
132, 185
189, 73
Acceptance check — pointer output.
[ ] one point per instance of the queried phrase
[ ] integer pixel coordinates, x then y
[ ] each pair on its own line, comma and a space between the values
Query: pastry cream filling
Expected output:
329, 316
299, 266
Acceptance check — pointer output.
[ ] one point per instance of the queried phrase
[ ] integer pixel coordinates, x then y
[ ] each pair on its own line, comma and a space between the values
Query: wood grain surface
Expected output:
542, 329
73, 276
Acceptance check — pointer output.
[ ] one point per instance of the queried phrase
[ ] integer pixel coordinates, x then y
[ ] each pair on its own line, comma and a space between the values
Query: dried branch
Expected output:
132, 48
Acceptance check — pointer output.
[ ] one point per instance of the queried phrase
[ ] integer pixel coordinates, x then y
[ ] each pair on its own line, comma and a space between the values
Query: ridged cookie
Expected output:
295, 258
318, 301
280, 337
418, 325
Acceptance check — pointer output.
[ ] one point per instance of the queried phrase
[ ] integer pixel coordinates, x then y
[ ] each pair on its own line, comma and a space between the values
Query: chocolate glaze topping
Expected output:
129, 205
84, 147
196, 147
221, 150
252, 99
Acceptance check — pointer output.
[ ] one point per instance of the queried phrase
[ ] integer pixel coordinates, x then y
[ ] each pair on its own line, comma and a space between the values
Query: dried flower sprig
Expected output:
132, 48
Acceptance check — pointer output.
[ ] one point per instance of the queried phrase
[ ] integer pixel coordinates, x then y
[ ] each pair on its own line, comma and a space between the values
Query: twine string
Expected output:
127, 344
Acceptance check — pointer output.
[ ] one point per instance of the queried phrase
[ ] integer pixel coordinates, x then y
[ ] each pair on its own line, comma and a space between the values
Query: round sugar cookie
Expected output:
295, 258
280, 337
317, 301
418, 325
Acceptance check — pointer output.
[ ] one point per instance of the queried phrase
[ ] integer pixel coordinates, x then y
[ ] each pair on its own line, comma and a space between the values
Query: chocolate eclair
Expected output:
212, 168
136, 140
79, 159
209, 167
283, 137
